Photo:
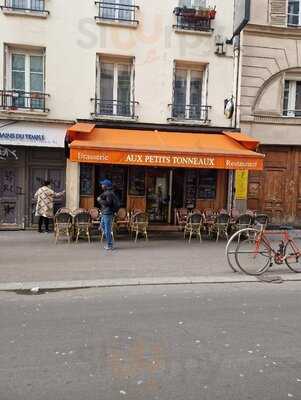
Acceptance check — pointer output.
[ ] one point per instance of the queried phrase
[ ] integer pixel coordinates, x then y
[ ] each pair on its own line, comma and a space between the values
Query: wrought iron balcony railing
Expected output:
182, 112
116, 12
16, 99
34, 6
114, 108
193, 19
291, 113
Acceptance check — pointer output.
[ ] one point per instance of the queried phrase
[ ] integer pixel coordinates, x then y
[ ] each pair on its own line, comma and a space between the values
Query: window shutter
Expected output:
278, 12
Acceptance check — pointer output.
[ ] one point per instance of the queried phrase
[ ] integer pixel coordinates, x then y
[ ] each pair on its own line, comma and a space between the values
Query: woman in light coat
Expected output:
44, 209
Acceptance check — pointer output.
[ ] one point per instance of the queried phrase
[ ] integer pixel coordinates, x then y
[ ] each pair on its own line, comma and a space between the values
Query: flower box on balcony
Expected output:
188, 12
206, 13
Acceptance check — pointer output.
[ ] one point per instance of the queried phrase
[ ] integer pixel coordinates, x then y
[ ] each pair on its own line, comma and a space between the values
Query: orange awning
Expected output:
163, 149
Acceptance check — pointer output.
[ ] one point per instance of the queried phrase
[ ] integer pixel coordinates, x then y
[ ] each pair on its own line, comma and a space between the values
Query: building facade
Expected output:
270, 105
121, 65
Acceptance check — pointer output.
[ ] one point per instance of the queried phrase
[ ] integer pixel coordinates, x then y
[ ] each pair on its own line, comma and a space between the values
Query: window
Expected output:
292, 98
117, 10
207, 184
24, 80
189, 101
192, 3
293, 15
33, 5
115, 89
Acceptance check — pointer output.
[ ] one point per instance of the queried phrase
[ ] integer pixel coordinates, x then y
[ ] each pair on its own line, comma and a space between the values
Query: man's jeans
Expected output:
106, 226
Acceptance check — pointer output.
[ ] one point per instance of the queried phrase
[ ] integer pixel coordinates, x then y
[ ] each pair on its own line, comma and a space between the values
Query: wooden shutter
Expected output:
278, 12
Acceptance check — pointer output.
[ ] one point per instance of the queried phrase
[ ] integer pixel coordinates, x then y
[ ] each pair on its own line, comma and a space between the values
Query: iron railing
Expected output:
114, 108
193, 24
116, 12
16, 99
292, 113
182, 112
193, 19
25, 5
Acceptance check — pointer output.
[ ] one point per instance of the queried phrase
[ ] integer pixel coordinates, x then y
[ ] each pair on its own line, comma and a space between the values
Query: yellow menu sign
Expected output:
241, 185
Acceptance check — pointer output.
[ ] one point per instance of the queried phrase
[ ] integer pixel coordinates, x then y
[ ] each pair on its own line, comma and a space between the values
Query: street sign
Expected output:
242, 10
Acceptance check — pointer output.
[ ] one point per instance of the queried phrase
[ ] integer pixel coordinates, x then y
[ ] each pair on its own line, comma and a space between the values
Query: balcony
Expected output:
193, 113
114, 109
16, 100
117, 13
31, 7
193, 19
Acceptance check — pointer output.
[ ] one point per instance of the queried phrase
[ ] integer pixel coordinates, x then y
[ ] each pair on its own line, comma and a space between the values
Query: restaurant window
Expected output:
293, 15
137, 182
86, 180
189, 100
115, 89
25, 80
207, 184
292, 98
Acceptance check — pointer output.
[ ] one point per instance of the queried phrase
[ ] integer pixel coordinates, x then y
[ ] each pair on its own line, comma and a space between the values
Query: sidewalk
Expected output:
33, 257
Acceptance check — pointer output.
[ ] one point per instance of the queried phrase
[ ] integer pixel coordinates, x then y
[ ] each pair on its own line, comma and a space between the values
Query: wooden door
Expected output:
269, 191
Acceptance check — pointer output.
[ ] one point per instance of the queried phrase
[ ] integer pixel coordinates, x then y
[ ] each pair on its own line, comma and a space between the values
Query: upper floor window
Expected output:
292, 98
25, 84
293, 15
189, 100
25, 5
115, 94
117, 10
192, 3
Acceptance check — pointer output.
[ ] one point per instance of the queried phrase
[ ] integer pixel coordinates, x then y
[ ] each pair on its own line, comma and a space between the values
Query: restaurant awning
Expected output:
163, 149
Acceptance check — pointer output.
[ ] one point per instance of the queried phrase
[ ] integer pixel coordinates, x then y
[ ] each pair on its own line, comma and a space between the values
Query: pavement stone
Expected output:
29, 259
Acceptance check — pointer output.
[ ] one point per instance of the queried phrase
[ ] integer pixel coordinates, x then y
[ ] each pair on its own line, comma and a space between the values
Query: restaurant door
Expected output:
157, 195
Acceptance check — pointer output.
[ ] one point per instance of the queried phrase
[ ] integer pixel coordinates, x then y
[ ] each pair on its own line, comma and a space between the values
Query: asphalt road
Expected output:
229, 342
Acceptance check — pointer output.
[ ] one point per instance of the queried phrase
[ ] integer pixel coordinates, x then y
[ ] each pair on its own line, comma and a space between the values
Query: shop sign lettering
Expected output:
22, 136
92, 157
241, 164
170, 160
6, 153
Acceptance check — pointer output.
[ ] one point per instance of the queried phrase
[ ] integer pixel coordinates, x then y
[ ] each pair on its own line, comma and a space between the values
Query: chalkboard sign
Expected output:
86, 180
207, 184
191, 180
137, 182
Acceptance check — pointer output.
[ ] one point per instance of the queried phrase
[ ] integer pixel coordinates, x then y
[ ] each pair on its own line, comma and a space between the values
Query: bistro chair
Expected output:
122, 219
79, 211
261, 221
244, 221
209, 214
95, 215
220, 226
140, 225
194, 226
63, 210
82, 225
63, 226
182, 216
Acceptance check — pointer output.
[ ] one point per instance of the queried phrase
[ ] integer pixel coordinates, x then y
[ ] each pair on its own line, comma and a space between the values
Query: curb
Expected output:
107, 283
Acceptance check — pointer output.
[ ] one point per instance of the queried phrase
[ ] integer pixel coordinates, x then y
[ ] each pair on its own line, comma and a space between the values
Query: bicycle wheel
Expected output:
293, 256
253, 256
233, 244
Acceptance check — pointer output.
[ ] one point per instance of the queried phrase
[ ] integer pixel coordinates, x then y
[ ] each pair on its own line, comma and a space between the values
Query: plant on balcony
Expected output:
188, 12
206, 13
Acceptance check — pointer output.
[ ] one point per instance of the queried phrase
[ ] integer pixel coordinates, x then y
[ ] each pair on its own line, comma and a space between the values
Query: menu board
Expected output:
86, 180
190, 193
137, 182
207, 184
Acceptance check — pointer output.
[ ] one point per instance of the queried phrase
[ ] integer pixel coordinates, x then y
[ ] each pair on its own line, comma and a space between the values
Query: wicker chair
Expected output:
63, 225
220, 226
209, 214
122, 219
63, 210
194, 226
261, 221
182, 216
82, 225
95, 215
139, 224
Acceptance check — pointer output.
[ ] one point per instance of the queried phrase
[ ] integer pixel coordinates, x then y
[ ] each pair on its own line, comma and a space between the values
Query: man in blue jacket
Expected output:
107, 201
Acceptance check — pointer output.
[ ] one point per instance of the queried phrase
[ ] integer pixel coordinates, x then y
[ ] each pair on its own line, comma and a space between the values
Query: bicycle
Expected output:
254, 253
